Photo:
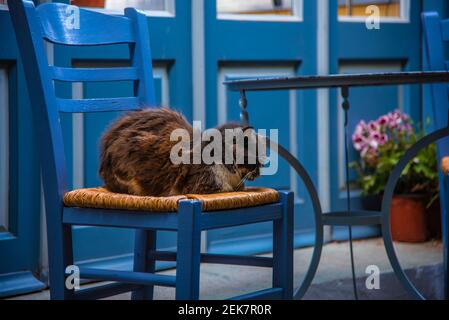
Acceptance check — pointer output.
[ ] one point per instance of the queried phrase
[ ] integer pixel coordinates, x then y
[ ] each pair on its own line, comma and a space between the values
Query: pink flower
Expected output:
374, 126
374, 144
374, 135
368, 137
408, 128
383, 120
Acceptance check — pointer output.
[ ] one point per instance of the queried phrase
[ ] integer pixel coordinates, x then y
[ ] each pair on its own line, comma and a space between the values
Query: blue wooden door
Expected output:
263, 38
169, 25
395, 46
19, 176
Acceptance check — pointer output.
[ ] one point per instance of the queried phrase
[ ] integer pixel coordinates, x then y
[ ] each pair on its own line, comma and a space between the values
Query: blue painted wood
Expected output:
243, 45
105, 291
352, 43
121, 219
113, 29
218, 259
171, 50
93, 74
283, 247
189, 221
144, 242
445, 226
20, 244
18, 283
99, 105
222, 219
188, 259
21, 249
141, 58
436, 60
437, 36
128, 277
445, 30
45, 113
25, 18
256, 240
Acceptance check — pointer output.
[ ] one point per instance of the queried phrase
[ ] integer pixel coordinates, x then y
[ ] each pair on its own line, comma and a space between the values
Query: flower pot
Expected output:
89, 3
409, 219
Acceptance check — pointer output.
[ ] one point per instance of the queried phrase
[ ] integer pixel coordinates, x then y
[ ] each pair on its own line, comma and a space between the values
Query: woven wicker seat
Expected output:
101, 198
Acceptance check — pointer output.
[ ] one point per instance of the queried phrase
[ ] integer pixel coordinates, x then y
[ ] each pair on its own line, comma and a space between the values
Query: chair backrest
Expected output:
437, 35
71, 26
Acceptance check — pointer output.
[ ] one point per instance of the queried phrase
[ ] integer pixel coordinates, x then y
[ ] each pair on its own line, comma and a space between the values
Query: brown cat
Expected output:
135, 158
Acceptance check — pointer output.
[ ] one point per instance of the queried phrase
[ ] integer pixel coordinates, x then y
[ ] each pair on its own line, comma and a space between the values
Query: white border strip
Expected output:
161, 72
199, 74
4, 149
198, 61
78, 139
323, 120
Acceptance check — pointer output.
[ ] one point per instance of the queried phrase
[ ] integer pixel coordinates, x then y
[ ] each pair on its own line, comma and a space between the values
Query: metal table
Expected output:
349, 217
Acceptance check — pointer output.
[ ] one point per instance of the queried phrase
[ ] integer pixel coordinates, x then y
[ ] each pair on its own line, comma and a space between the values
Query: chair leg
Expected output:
283, 247
145, 241
60, 255
189, 251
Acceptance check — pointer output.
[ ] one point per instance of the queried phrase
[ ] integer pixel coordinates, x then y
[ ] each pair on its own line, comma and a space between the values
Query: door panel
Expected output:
170, 42
241, 42
19, 237
355, 48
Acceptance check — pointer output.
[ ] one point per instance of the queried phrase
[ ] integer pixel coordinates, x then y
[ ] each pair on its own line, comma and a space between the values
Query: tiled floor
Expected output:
333, 277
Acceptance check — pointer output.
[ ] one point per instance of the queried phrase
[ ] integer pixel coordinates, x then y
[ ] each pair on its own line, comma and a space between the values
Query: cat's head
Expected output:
248, 156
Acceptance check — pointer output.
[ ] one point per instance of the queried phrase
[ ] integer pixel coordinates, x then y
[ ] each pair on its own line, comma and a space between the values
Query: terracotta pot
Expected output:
88, 3
409, 219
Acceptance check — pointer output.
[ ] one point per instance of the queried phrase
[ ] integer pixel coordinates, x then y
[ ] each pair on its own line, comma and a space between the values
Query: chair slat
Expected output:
83, 27
128, 277
93, 74
445, 30
99, 105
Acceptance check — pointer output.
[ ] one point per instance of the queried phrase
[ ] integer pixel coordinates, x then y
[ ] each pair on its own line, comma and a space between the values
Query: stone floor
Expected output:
422, 262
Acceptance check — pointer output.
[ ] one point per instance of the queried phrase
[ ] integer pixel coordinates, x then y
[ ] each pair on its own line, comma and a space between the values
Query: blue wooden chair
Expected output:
187, 216
437, 37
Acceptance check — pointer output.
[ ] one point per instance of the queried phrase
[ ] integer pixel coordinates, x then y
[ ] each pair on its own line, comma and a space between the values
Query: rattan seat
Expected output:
101, 198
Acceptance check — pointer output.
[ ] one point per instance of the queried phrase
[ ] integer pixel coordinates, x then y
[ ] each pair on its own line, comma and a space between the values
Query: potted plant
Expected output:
381, 144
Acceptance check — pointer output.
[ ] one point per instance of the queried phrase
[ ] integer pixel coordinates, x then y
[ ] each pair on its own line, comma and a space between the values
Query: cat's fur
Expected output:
135, 159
